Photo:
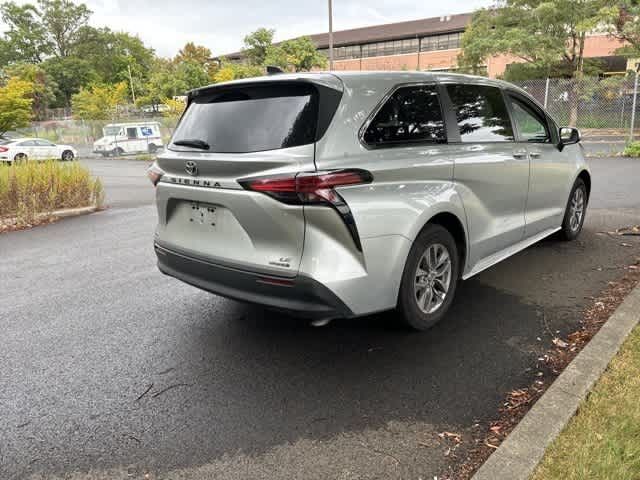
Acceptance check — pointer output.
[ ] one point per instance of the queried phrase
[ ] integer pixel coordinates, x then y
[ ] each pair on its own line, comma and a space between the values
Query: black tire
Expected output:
67, 156
152, 148
118, 152
21, 157
571, 227
412, 314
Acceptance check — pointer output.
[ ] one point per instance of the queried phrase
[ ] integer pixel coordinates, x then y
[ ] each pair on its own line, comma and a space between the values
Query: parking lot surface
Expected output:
109, 366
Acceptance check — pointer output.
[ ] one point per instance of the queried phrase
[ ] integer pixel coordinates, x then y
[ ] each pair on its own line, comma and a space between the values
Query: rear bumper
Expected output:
304, 296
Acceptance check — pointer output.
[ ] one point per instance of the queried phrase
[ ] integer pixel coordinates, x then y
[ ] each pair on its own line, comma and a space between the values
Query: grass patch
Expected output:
632, 150
602, 442
30, 189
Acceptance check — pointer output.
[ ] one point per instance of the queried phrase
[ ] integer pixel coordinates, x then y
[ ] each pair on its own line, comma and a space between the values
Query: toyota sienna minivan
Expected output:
343, 194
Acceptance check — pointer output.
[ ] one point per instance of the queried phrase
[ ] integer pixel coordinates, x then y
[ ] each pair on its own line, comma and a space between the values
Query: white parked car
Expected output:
20, 149
129, 138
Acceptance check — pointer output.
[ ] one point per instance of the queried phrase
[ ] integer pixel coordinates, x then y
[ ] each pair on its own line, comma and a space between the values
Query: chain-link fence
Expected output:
587, 103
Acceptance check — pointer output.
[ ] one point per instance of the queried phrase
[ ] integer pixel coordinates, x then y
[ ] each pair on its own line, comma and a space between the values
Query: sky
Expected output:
166, 25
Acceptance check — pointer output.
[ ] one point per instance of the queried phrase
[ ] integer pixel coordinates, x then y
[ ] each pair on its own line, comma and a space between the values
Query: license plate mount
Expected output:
204, 214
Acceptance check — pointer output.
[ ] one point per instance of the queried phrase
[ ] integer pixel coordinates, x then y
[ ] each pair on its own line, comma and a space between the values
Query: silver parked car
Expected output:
343, 194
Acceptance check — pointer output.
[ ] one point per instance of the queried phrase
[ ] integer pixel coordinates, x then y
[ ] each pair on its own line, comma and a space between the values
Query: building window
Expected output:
444, 41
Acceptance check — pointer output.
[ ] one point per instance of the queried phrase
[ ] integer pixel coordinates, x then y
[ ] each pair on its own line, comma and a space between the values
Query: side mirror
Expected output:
568, 136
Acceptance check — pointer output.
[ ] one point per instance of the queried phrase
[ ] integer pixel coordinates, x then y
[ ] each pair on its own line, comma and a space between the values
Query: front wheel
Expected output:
67, 155
430, 278
575, 211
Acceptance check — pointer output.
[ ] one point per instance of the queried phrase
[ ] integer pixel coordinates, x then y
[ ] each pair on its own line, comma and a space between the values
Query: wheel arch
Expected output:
585, 176
454, 225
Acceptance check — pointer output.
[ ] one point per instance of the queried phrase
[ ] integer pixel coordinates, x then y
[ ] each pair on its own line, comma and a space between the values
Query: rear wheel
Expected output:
20, 157
117, 152
575, 211
430, 278
152, 148
67, 155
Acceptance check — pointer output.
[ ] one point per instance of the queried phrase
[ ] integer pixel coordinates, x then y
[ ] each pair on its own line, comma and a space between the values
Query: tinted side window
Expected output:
481, 113
410, 115
531, 125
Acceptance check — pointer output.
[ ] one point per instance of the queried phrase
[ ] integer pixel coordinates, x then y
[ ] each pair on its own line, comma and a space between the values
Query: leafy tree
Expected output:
623, 20
176, 107
43, 86
26, 39
234, 71
15, 104
163, 83
111, 54
194, 53
543, 33
62, 20
192, 74
257, 44
299, 55
70, 74
99, 102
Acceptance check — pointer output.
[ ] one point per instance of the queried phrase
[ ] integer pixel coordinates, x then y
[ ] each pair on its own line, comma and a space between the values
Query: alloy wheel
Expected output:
432, 278
576, 209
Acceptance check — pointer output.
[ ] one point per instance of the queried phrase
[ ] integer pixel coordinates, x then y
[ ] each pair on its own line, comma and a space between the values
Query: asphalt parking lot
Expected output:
110, 367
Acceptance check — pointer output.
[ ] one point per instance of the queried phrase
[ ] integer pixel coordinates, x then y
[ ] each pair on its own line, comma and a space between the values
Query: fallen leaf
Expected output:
560, 343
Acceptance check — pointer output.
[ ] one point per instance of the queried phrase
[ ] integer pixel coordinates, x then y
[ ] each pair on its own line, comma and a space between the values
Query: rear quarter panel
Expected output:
410, 186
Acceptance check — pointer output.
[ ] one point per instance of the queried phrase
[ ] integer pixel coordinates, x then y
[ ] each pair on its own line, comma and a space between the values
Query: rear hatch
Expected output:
233, 132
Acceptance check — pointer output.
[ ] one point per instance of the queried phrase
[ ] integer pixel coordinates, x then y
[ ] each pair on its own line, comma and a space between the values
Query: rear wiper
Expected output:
192, 142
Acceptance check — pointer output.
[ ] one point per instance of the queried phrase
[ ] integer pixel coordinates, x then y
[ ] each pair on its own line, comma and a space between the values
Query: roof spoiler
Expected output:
274, 70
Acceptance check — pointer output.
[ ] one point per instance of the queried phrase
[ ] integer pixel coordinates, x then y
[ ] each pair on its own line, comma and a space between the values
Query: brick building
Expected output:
428, 44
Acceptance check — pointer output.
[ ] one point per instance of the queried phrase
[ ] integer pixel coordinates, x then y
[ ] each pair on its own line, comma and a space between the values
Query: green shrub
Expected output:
632, 150
30, 188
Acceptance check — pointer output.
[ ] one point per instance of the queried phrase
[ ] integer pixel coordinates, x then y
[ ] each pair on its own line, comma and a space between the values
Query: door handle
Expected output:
519, 155
534, 154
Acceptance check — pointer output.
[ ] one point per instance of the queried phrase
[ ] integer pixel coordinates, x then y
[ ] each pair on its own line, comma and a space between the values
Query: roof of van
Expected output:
131, 124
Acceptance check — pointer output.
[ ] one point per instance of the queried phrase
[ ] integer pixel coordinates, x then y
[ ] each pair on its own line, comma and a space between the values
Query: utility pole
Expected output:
133, 92
330, 35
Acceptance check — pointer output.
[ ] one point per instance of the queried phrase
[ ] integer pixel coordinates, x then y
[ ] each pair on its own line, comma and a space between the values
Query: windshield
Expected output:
110, 131
252, 119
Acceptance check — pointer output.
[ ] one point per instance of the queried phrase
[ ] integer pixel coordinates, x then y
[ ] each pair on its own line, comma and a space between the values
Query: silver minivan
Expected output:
343, 194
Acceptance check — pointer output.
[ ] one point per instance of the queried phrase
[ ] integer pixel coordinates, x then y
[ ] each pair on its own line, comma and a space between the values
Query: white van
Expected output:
129, 138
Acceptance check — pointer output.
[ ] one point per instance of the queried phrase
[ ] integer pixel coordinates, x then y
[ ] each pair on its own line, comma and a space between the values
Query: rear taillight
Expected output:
155, 173
307, 188
4, 149
313, 188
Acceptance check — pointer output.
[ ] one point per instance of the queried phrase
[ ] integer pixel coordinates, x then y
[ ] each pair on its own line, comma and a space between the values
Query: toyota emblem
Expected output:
191, 168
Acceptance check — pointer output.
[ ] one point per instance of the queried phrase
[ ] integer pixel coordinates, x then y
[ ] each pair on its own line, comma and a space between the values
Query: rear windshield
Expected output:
252, 119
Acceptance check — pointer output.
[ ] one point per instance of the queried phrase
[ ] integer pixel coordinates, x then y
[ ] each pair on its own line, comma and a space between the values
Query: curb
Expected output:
518, 456
65, 212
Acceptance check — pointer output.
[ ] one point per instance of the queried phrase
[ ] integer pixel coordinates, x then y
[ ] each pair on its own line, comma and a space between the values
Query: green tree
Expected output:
15, 104
235, 71
99, 102
299, 55
163, 83
111, 54
43, 86
543, 33
623, 20
63, 20
256, 45
70, 74
26, 38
